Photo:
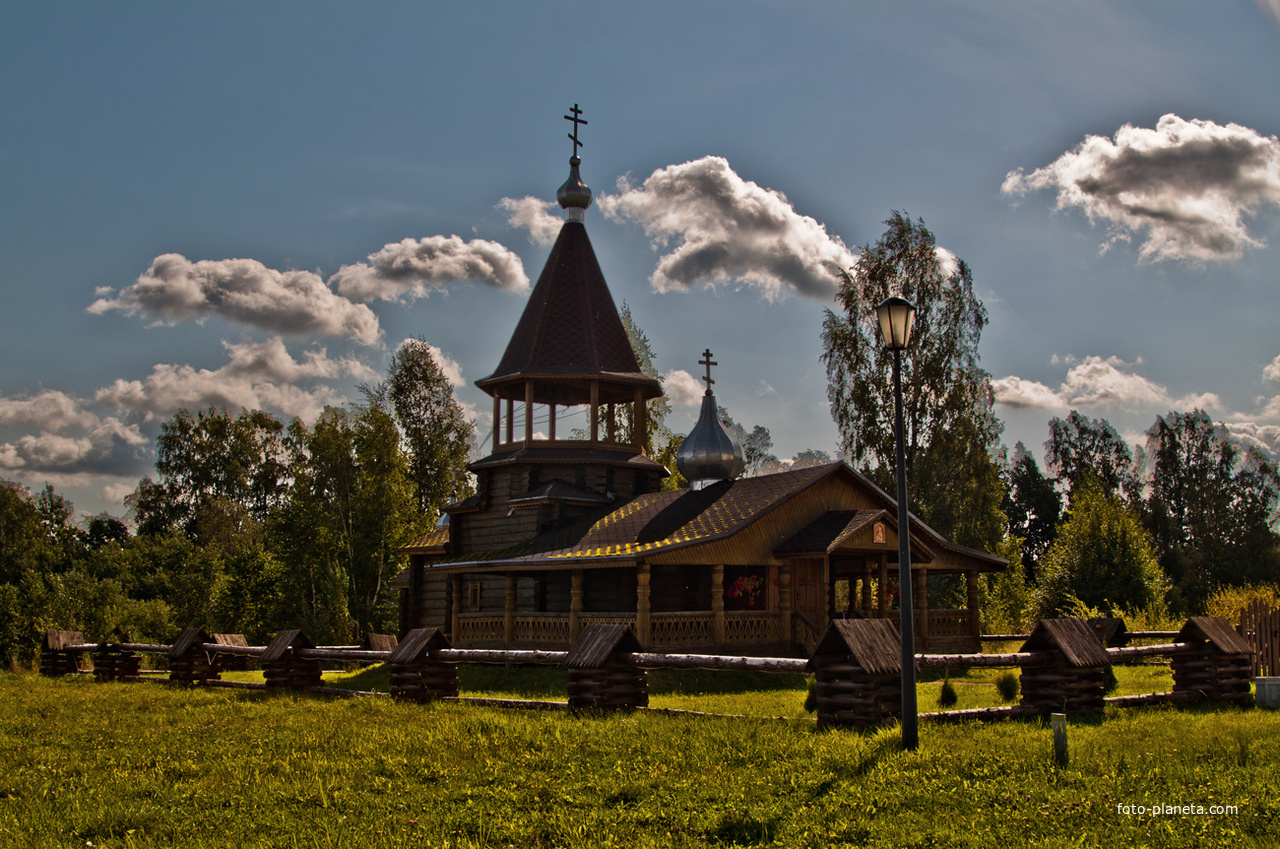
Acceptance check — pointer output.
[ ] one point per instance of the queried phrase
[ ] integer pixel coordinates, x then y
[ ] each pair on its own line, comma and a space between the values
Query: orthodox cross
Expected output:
708, 362
576, 121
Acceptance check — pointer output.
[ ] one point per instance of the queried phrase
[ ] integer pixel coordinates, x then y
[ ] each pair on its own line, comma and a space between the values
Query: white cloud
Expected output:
1017, 392
415, 267
1097, 382
535, 215
259, 376
115, 493
1272, 371
682, 388
108, 447
49, 410
294, 303
1251, 434
729, 230
1185, 185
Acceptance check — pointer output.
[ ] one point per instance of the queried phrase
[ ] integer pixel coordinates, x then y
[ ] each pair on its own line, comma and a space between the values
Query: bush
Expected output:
947, 695
1007, 686
1227, 602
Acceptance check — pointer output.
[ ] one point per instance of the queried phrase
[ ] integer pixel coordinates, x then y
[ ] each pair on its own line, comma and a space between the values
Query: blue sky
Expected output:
1127, 259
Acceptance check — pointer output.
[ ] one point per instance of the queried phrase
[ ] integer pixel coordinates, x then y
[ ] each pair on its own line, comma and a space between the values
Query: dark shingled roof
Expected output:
873, 643
418, 642
1075, 638
230, 640
829, 530
436, 538
284, 641
1216, 631
597, 642
188, 638
570, 327
60, 640
661, 520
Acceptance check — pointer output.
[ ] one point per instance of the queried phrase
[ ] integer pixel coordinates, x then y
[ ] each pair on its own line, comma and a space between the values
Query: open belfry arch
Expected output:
569, 527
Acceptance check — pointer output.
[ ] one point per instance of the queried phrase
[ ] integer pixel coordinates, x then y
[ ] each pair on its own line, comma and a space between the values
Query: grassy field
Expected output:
87, 764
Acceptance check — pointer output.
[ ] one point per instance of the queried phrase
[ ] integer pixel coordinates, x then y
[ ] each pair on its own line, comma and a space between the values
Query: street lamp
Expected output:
896, 317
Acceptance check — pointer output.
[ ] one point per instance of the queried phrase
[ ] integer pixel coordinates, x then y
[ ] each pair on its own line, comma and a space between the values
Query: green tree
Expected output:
211, 455
1034, 508
1103, 557
657, 434
1080, 449
1211, 508
755, 445
437, 435
951, 433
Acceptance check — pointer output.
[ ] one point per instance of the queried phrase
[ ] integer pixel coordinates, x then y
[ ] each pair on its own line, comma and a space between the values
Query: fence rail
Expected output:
607, 669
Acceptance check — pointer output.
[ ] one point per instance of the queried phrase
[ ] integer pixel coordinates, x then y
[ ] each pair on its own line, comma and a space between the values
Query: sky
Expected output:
252, 205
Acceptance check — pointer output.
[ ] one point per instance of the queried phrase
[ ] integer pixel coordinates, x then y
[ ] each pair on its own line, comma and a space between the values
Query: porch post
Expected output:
866, 588
921, 581
717, 604
639, 422
497, 422
528, 412
784, 599
509, 615
511, 420
551, 422
971, 588
882, 591
455, 583
575, 605
595, 411
642, 603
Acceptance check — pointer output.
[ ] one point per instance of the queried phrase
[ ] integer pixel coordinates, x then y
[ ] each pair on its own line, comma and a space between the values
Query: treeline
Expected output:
1186, 516
251, 525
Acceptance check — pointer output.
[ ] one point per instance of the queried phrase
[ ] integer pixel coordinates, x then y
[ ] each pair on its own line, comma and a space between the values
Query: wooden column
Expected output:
642, 603
639, 419
828, 591
971, 602
511, 420
866, 588
920, 581
509, 615
551, 422
882, 590
528, 412
455, 625
610, 422
784, 600
575, 605
717, 604
497, 422
595, 411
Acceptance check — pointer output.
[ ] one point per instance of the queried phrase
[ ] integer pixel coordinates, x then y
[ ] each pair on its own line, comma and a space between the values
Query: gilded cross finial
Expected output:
708, 362
576, 121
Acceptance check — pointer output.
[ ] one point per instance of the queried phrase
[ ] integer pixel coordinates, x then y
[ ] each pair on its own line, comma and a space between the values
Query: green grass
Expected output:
148, 766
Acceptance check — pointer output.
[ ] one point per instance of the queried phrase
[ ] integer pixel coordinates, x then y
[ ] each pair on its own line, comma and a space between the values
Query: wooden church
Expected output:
569, 527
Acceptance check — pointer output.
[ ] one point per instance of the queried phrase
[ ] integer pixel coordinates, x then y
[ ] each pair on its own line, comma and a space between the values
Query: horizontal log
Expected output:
509, 703
701, 661
1146, 699
966, 661
1004, 712
239, 651
1170, 649
356, 655
550, 658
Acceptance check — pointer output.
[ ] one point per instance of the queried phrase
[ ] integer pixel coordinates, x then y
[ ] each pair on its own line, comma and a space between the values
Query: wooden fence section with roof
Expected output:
856, 663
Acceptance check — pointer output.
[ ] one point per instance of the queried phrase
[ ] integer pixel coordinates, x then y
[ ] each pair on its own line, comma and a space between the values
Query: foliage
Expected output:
438, 438
755, 445
947, 694
1227, 602
1102, 555
1007, 686
1081, 450
1005, 596
1211, 508
211, 456
950, 430
1034, 508
135, 766
656, 431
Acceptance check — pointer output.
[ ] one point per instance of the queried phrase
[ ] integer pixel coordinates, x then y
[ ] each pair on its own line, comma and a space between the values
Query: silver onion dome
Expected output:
709, 453
574, 196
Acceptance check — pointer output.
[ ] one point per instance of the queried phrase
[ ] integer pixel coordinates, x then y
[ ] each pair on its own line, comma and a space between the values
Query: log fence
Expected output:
856, 665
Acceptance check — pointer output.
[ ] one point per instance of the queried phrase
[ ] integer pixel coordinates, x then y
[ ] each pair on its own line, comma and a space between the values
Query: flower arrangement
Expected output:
747, 589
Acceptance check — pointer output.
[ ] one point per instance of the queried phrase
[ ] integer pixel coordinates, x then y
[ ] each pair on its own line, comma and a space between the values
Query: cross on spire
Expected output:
708, 362
576, 121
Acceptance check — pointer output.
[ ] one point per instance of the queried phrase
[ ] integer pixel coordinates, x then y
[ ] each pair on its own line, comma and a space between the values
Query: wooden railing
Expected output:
542, 628
485, 628
949, 623
752, 626
682, 629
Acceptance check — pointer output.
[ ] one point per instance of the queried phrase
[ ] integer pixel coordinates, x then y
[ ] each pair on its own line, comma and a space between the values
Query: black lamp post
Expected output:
896, 316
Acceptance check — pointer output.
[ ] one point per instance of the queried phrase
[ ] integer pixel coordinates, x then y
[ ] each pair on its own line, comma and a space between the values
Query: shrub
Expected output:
947, 695
1007, 686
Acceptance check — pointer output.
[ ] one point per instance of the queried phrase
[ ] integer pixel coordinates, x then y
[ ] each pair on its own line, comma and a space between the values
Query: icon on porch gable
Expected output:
879, 534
